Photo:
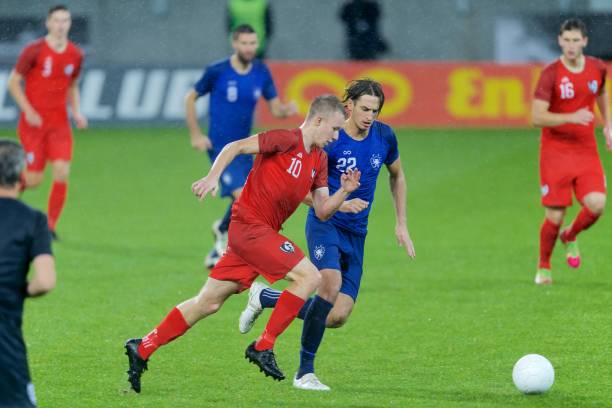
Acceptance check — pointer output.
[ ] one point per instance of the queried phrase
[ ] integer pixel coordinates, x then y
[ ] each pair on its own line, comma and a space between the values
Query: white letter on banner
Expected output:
7, 113
181, 82
131, 105
91, 92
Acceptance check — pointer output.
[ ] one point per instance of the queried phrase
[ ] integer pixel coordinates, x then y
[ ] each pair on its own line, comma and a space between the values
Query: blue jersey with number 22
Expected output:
368, 155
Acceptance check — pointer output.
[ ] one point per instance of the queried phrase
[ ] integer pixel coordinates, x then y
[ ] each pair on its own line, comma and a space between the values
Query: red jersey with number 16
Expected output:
48, 75
282, 175
567, 92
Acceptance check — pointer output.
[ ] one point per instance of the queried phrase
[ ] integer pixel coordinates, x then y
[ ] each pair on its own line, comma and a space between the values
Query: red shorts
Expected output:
562, 173
50, 142
256, 249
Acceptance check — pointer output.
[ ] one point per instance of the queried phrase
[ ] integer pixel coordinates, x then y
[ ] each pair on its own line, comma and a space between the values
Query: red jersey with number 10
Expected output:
567, 92
282, 175
48, 75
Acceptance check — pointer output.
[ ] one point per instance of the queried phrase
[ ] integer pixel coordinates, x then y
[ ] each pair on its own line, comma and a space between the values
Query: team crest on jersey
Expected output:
30, 157
287, 247
257, 93
313, 173
593, 86
68, 69
544, 190
319, 251
375, 161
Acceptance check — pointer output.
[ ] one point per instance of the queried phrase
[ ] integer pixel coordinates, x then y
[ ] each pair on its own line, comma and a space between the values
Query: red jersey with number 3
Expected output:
48, 75
567, 92
282, 175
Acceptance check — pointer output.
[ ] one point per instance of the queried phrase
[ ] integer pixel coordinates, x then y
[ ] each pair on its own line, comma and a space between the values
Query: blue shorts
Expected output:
235, 175
331, 247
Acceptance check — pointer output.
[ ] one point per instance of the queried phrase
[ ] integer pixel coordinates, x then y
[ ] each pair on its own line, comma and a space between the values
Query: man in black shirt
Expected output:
24, 239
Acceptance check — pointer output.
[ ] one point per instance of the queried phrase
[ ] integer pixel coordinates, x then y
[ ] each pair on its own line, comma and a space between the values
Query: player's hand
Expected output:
354, 206
350, 180
200, 142
204, 186
608, 135
582, 117
291, 108
403, 239
33, 118
81, 121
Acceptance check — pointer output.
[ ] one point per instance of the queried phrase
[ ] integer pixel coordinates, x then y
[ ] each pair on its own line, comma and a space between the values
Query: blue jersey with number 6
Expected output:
368, 155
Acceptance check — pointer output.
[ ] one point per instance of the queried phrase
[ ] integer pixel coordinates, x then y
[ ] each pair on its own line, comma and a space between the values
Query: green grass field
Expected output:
442, 330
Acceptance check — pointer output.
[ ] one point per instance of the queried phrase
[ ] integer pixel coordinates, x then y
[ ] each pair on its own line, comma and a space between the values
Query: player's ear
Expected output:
348, 107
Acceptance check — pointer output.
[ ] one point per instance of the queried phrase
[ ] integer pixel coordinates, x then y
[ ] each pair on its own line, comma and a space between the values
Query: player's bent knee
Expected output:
33, 179
597, 205
61, 170
336, 321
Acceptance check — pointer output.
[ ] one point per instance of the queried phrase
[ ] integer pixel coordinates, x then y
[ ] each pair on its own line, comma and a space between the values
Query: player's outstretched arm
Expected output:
44, 277
210, 182
282, 110
199, 141
325, 205
353, 206
604, 108
14, 87
397, 182
542, 117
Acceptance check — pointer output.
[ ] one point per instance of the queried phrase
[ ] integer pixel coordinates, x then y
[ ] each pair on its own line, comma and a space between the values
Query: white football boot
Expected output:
253, 308
309, 382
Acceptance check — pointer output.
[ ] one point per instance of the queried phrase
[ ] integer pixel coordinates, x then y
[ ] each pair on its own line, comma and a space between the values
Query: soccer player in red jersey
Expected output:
569, 162
50, 68
289, 165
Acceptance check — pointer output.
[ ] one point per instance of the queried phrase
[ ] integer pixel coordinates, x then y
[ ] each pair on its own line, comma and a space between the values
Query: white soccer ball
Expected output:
533, 374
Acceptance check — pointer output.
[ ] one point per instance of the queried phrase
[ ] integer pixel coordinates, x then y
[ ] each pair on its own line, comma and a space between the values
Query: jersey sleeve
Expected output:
546, 83
321, 174
269, 90
393, 152
207, 81
277, 141
41, 239
27, 59
78, 65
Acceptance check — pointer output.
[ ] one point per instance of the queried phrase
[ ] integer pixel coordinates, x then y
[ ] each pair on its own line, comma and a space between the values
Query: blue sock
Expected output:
312, 333
224, 226
268, 298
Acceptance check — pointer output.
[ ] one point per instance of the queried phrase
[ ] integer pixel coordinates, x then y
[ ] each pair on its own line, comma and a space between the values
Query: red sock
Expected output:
548, 238
287, 307
57, 198
173, 326
584, 220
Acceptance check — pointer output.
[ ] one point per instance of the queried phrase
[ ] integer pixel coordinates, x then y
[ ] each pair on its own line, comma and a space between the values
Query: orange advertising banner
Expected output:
418, 94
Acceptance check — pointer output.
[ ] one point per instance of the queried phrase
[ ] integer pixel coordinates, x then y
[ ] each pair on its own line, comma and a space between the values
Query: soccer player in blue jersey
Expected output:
336, 246
235, 85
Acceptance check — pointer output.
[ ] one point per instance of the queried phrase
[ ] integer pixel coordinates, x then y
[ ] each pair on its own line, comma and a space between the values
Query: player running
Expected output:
336, 246
50, 68
563, 107
289, 165
235, 85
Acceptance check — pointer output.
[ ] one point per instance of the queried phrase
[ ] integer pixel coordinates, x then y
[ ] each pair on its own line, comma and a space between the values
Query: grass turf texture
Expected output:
443, 330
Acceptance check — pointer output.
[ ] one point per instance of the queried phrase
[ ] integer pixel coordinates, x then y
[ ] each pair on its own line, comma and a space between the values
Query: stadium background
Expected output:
444, 330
